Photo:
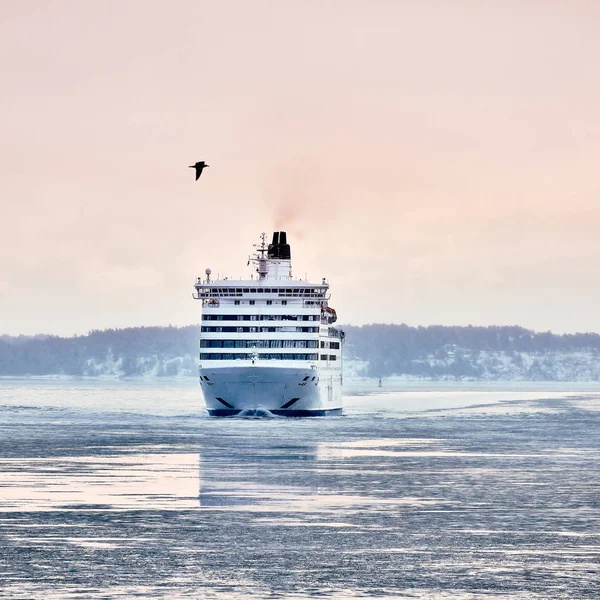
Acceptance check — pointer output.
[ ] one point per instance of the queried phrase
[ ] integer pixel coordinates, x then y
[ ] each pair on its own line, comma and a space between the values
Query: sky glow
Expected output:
437, 161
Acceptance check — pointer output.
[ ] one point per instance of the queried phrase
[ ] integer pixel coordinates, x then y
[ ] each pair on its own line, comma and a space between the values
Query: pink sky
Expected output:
438, 161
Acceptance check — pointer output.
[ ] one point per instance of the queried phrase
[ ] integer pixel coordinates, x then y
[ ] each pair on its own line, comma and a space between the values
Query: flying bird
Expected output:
199, 166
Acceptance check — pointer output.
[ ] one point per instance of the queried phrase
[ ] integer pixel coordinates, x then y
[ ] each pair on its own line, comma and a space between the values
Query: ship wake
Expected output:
256, 413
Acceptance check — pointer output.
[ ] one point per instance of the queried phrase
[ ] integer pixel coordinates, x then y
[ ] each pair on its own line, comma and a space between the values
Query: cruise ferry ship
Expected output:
268, 343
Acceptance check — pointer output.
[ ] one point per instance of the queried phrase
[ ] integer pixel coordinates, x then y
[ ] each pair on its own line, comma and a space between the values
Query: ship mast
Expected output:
260, 257
273, 260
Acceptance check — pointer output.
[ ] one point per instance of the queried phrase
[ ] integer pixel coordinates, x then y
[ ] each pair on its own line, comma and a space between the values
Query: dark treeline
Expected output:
457, 351
138, 349
434, 351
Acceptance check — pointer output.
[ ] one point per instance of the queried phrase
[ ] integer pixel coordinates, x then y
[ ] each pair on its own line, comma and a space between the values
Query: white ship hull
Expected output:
293, 392
267, 343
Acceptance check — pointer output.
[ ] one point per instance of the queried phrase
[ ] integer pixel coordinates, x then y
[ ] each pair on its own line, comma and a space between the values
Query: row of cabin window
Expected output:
258, 344
219, 356
282, 329
312, 292
331, 357
332, 345
253, 302
261, 317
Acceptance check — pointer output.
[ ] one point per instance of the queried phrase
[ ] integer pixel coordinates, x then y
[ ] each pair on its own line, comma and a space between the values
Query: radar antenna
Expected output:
262, 248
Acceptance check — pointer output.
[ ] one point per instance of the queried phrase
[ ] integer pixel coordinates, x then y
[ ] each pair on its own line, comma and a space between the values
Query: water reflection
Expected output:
130, 482
256, 475
238, 475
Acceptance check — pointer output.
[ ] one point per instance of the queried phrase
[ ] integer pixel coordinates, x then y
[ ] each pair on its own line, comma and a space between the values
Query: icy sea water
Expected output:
127, 490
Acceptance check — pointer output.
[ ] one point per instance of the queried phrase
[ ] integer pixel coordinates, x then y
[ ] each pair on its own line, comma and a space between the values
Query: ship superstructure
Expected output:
268, 343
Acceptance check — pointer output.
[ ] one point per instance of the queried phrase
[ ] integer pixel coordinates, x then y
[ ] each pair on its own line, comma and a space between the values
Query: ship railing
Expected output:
255, 292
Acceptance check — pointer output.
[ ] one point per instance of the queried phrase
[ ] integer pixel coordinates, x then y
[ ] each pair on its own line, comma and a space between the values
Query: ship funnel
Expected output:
280, 248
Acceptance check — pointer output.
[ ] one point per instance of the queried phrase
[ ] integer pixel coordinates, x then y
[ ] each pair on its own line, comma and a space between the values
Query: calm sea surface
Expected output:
128, 490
